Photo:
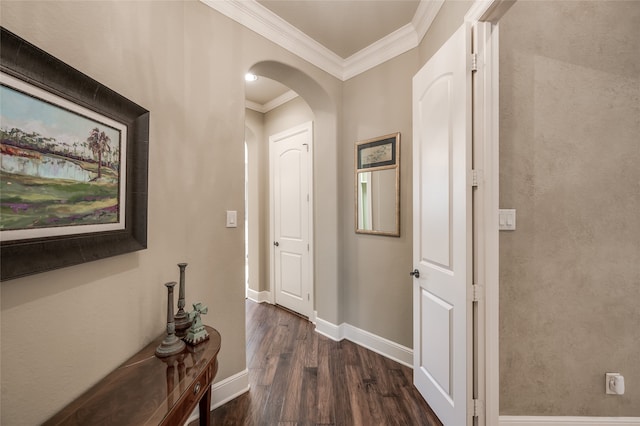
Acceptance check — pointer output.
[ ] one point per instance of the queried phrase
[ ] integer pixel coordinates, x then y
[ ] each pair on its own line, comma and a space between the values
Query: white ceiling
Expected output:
345, 27
342, 37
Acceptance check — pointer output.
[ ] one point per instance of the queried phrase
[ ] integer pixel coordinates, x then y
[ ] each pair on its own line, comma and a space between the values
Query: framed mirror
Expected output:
377, 191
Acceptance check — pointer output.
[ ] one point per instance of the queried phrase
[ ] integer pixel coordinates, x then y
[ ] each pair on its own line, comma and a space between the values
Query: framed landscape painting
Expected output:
61, 169
73, 165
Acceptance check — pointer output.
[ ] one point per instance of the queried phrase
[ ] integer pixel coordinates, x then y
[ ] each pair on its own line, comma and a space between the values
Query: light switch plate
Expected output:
507, 219
232, 219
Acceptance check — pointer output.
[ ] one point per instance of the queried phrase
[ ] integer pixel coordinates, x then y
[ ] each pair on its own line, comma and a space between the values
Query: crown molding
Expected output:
273, 104
254, 106
425, 15
386, 48
280, 100
394, 44
269, 25
266, 23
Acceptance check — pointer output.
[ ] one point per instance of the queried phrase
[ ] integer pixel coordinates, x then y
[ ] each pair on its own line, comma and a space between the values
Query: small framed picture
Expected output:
377, 153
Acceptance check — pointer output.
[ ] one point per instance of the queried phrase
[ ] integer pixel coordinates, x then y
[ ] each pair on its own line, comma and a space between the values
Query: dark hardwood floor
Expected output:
299, 377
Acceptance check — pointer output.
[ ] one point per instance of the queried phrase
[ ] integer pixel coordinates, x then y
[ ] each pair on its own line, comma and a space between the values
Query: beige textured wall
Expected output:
64, 330
569, 155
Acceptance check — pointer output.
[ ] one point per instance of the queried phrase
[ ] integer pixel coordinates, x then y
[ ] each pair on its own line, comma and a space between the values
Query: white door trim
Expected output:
486, 117
272, 282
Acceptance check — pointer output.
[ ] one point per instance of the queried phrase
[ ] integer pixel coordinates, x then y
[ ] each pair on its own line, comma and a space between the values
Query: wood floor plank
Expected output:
299, 377
325, 394
278, 389
291, 403
308, 407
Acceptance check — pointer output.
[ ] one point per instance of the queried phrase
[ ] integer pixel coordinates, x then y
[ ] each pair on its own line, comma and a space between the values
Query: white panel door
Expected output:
290, 154
442, 250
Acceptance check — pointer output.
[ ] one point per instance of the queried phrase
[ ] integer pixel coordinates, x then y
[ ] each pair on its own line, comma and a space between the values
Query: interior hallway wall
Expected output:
186, 64
569, 156
375, 271
256, 213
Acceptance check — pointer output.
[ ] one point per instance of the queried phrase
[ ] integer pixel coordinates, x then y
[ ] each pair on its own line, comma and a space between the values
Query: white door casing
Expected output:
442, 215
290, 174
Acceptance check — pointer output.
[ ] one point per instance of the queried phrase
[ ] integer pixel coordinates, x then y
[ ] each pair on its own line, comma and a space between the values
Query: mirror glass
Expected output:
378, 186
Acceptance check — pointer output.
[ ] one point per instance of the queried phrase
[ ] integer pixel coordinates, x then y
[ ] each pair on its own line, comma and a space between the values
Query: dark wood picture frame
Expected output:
19, 258
387, 144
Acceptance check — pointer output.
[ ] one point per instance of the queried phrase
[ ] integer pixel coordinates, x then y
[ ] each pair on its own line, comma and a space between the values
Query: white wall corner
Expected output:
224, 391
568, 421
375, 343
259, 296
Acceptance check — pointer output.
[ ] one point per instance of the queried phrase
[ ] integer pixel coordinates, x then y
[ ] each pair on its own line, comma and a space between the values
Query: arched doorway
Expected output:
325, 214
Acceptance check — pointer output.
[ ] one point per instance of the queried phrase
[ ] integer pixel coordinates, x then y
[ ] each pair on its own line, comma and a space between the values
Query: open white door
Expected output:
442, 214
291, 177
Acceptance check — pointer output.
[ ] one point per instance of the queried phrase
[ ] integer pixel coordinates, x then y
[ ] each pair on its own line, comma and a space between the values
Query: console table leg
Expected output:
205, 407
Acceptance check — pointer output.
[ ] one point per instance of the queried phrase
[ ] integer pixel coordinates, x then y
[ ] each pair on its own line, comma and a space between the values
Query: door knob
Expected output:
415, 273
275, 243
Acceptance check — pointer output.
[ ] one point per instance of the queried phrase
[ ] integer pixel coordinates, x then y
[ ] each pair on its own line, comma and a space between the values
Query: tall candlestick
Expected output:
171, 345
181, 318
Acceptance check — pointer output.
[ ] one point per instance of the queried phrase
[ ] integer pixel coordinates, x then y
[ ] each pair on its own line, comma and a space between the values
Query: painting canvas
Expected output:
61, 165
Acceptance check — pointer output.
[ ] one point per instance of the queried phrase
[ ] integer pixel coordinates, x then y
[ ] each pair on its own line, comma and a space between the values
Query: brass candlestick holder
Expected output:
181, 318
171, 345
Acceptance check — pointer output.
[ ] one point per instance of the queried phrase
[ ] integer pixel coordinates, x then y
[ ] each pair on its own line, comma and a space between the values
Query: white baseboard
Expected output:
328, 329
568, 421
373, 342
259, 296
229, 388
224, 391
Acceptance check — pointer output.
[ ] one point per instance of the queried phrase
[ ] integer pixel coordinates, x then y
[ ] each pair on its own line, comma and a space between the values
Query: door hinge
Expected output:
474, 62
476, 293
308, 296
307, 247
477, 408
474, 178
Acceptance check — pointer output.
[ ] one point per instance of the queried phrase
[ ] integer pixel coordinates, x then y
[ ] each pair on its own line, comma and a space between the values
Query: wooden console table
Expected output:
147, 390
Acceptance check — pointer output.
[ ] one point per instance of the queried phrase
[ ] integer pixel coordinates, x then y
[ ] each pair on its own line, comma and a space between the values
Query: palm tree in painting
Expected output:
98, 144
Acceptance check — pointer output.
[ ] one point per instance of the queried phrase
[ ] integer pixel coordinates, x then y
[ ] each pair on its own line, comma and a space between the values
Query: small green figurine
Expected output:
197, 333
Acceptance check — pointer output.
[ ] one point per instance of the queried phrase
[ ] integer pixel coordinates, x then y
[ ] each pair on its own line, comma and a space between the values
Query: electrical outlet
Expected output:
614, 384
